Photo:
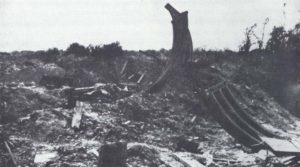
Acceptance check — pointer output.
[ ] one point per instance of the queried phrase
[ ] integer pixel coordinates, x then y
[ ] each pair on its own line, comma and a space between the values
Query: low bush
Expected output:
108, 51
77, 49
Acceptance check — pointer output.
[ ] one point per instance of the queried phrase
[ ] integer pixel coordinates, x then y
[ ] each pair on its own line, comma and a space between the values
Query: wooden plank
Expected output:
281, 147
287, 160
131, 84
187, 160
42, 157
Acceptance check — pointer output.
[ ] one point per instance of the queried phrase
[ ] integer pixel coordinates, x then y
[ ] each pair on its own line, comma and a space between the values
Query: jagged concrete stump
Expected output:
113, 155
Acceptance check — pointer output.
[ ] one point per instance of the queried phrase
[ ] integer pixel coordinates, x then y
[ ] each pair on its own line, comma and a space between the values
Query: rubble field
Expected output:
172, 128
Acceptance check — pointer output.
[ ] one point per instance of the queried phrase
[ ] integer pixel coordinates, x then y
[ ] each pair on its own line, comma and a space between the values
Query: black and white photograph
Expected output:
149, 83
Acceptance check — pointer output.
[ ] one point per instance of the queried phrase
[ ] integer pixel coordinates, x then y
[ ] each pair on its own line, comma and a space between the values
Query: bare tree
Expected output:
260, 41
245, 47
182, 49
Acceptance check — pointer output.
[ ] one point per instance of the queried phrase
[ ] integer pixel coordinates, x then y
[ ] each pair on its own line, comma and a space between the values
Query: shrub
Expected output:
293, 41
51, 55
52, 51
108, 51
278, 39
77, 49
282, 40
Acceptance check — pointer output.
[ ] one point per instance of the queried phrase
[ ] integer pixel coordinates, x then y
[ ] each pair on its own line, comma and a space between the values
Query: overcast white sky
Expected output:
136, 24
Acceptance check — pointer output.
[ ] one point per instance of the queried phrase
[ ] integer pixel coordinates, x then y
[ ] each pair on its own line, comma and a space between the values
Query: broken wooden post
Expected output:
13, 159
141, 78
182, 49
131, 76
76, 120
113, 155
124, 67
71, 99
